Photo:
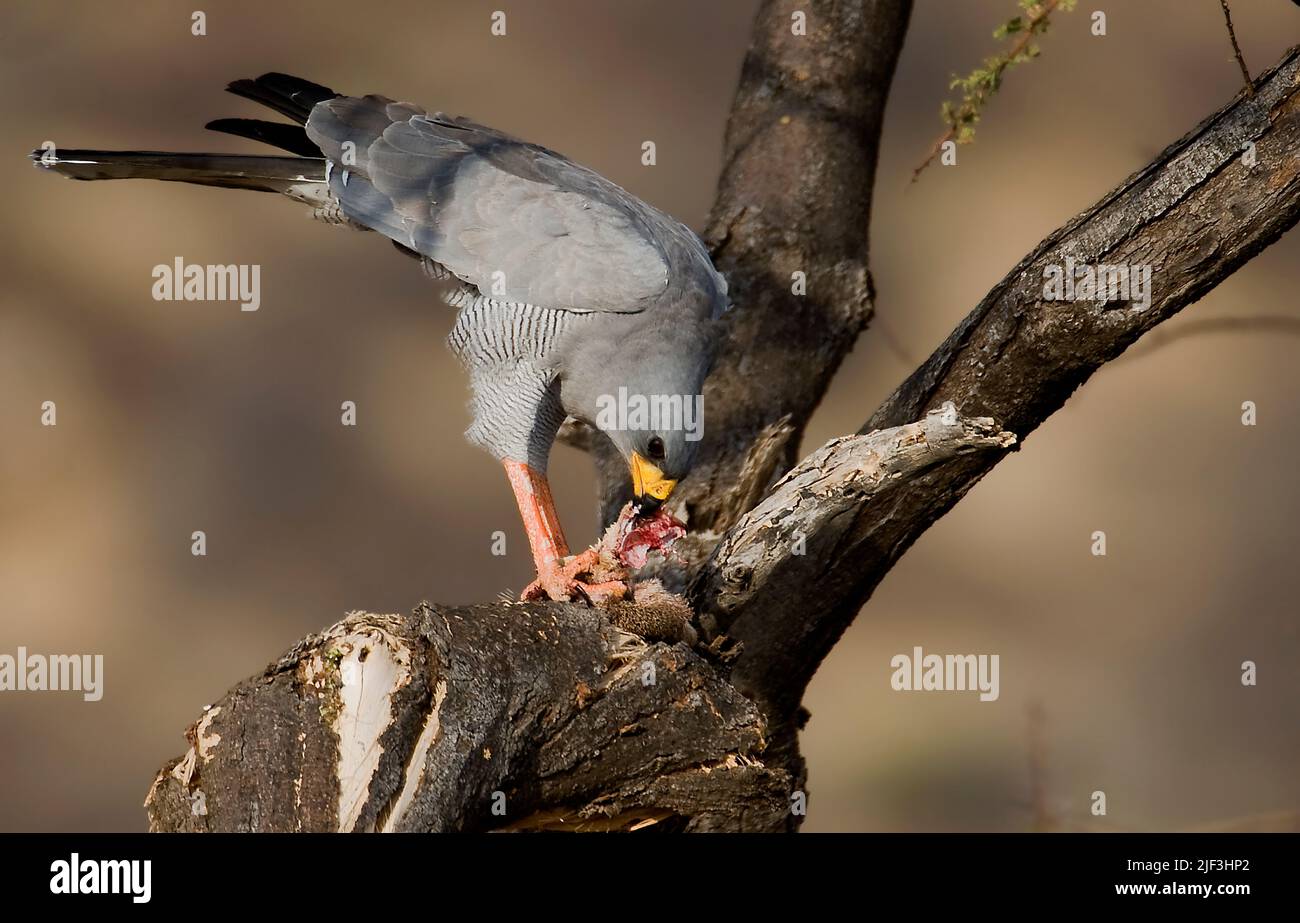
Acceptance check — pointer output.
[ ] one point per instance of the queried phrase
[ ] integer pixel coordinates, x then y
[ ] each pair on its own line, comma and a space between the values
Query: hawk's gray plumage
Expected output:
538, 242
513, 219
568, 287
541, 244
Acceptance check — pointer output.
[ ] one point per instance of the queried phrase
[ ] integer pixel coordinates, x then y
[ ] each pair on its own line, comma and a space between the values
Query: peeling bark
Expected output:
1196, 214
510, 716
796, 536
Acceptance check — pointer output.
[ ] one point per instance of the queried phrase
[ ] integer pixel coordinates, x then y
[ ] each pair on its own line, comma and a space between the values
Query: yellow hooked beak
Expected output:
648, 480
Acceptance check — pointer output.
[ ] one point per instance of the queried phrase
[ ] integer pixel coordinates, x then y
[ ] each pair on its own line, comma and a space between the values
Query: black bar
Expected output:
1001, 870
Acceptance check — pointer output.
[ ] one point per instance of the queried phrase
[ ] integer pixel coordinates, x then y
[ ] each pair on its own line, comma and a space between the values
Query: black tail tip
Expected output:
282, 84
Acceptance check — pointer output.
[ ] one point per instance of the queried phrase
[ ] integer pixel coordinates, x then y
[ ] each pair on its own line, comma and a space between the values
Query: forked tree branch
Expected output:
794, 202
1202, 209
795, 537
548, 716
529, 716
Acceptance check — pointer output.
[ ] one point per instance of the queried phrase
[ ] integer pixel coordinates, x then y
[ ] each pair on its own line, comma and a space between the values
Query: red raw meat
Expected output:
644, 534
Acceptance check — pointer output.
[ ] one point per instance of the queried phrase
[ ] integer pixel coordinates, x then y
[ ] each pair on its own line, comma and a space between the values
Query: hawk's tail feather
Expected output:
291, 138
297, 177
290, 96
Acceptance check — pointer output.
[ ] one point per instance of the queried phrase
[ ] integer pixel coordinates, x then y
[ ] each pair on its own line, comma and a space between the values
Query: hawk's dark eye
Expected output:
656, 448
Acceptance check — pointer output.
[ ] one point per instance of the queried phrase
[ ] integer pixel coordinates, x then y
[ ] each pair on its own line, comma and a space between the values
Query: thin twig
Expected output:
1236, 50
1026, 37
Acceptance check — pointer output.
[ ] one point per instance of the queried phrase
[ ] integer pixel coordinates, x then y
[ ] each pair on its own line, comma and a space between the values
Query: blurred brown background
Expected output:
180, 416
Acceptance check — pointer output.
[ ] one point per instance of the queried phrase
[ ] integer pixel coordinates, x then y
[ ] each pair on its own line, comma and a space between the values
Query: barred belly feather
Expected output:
505, 348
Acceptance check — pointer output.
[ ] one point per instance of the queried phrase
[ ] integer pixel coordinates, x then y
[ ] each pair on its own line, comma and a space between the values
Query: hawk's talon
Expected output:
560, 582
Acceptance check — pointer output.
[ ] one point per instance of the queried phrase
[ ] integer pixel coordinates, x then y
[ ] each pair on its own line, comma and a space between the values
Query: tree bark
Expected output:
517, 716
549, 716
794, 197
1195, 214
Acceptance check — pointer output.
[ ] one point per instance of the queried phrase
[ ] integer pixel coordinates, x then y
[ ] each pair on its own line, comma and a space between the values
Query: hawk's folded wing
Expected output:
519, 222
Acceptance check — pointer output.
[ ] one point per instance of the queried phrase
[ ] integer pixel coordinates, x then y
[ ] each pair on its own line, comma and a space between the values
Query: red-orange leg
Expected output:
537, 509
557, 573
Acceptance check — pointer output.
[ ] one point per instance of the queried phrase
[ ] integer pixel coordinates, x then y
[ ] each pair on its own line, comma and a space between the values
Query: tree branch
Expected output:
794, 196
794, 538
531, 716
980, 86
549, 716
1236, 49
463, 719
1194, 215
604, 750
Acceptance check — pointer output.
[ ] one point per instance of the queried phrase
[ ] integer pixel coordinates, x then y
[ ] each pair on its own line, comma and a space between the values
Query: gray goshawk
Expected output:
568, 287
